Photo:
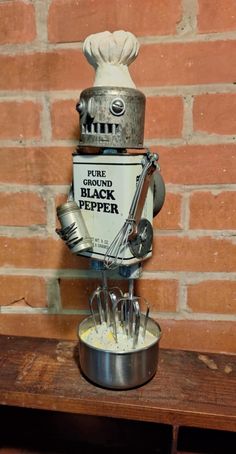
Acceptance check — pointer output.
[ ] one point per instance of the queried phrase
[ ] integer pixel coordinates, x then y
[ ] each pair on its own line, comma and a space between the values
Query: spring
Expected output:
69, 235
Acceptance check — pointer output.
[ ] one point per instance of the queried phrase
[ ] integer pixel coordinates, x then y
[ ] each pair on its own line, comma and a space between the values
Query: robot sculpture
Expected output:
117, 187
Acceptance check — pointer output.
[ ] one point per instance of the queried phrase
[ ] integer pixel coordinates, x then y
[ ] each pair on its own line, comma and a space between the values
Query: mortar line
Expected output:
198, 233
42, 189
54, 190
188, 38
167, 90
200, 139
38, 230
175, 316
190, 188
196, 316
188, 25
23, 310
182, 296
185, 211
48, 273
38, 46
193, 90
196, 139
187, 130
51, 213
41, 19
54, 296
46, 127
189, 277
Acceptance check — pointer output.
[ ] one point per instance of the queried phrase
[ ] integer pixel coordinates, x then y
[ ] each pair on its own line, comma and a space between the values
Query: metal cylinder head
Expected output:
111, 117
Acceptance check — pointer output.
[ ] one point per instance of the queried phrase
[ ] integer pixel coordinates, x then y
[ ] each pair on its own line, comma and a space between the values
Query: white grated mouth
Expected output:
100, 128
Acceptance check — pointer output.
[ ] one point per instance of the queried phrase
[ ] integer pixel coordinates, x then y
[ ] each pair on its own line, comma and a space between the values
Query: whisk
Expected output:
116, 251
121, 313
130, 314
105, 299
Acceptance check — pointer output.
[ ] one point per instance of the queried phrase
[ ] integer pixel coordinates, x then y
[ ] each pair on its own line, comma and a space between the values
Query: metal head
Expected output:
111, 117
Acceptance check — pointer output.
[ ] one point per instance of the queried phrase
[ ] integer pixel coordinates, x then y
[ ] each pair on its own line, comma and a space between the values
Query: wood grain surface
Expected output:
189, 389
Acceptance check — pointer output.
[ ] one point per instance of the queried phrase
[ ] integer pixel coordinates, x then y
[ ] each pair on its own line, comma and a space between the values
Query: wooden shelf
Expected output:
189, 389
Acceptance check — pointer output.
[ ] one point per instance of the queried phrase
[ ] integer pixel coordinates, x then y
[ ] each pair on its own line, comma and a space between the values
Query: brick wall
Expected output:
187, 70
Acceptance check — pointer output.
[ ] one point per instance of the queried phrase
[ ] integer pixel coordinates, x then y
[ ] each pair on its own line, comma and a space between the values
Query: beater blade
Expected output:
103, 302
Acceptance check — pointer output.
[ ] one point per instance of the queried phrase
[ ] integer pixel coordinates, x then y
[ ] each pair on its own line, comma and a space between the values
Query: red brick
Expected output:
22, 209
38, 252
218, 297
209, 211
58, 70
199, 164
164, 117
75, 293
20, 120
199, 335
215, 113
189, 63
180, 165
44, 166
40, 325
88, 17
59, 200
169, 217
17, 20
160, 294
26, 291
65, 120
158, 64
216, 16
173, 253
